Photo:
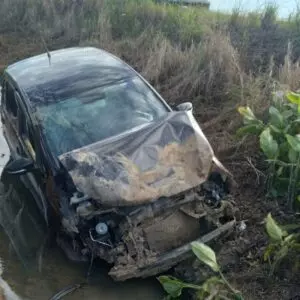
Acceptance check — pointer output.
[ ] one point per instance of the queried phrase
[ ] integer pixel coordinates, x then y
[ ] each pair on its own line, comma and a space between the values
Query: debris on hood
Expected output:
161, 159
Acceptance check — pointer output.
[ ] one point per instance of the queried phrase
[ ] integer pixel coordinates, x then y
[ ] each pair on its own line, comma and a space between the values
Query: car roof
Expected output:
72, 69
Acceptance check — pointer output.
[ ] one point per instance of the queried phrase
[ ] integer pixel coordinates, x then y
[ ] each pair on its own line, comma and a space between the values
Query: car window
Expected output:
10, 100
25, 130
98, 114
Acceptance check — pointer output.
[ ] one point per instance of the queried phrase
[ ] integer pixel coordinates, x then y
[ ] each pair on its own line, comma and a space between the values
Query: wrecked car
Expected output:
114, 170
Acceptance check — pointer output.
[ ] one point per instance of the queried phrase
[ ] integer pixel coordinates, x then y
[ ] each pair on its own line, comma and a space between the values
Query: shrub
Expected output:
280, 142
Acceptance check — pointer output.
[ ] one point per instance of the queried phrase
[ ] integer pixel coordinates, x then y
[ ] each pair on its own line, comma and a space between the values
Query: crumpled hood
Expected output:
159, 160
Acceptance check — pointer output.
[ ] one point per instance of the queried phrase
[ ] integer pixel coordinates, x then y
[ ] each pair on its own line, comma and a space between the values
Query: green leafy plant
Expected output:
281, 243
279, 139
216, 287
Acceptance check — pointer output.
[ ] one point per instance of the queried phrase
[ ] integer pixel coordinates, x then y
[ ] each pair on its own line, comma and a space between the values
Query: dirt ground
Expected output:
241, 255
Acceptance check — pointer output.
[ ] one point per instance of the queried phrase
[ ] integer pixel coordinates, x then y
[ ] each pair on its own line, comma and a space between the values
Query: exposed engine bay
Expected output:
134, 238
146, 195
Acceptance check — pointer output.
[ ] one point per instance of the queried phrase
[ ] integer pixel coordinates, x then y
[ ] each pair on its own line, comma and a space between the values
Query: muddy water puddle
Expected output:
57, 273
37, 272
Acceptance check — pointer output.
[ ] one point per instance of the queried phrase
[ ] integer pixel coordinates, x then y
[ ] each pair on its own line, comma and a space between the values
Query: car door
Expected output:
29, 148
19, 133
20, 195
9, 116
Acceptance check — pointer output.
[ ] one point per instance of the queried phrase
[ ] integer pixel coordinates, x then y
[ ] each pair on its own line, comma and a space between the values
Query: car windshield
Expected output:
98, 114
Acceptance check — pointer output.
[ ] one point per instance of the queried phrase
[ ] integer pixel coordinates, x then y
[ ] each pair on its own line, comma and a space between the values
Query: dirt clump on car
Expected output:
157, 162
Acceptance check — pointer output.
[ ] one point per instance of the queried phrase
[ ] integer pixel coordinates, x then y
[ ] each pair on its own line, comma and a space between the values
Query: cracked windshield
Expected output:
149, 149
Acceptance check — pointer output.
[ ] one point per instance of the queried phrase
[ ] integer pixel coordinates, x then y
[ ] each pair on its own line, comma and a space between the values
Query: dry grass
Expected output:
289, 72
207, 70
179, 51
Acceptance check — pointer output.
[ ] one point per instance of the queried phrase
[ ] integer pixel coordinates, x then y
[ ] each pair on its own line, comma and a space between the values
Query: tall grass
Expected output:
187, 53
82, 18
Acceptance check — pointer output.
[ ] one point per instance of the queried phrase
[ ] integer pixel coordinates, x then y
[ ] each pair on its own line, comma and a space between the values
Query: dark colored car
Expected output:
115, 172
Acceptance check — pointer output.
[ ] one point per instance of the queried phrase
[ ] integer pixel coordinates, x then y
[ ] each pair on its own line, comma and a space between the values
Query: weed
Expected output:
217, 287
281, 245
279, 141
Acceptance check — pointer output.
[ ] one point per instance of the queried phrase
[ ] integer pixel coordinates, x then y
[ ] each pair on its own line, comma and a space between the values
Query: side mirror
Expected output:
18, 166
186, 106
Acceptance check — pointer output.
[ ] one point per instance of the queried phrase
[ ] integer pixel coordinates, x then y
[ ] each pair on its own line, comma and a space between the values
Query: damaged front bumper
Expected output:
167, 260
144, 195
146, 240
